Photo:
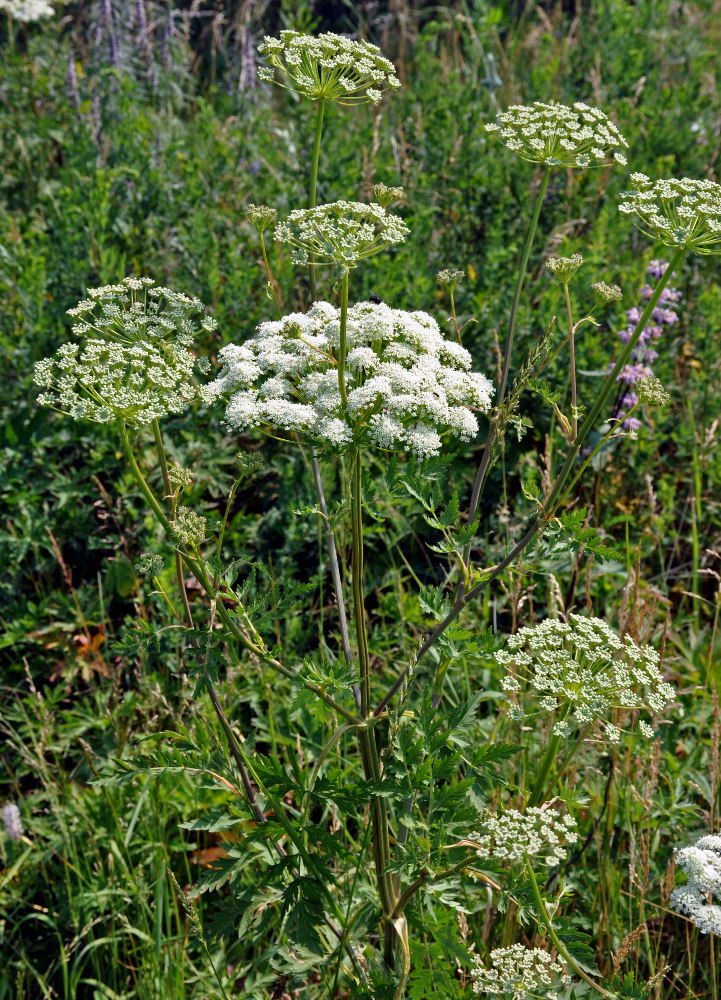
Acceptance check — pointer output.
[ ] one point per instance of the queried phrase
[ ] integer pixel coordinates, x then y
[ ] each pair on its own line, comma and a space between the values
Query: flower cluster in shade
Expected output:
519, 973
538, 833
12, 822
328, 67
133, 362
644, 353
406, 384
343, 232
560, 136
27, 11
682, 213
702, 865
580, 670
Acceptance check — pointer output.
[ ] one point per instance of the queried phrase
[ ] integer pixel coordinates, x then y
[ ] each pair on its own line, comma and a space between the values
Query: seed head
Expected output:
328, 67
560, 136
678, 213
342, 233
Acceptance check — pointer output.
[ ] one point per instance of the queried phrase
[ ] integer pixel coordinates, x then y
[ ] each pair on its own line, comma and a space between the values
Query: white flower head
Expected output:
104, 381
137, 310
343, 232
678, 213
586, 669
560, 136
407, 386
328, 67
519, 973
27, 11
702, 865
538, 833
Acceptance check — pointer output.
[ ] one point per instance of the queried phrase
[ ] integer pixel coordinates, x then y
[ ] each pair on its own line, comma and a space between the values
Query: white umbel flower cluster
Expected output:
678, 213
519, 973
560, 136
342, 232
27, 11
702, 864
407, 385
138, 310
582, 669
328, 67
538, 833
104, 382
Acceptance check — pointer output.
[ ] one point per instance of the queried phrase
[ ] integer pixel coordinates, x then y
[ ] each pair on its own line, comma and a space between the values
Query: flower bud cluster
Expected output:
560, 136
678, 213
702, 864
135, 365
607, 293
539, 833
406, 384
519, 973
262, 217
581, 667
342, 232
450, 278
149, 564
328, 67
564, 267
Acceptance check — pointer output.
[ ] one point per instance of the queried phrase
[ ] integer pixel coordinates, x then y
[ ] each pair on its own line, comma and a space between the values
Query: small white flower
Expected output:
583, 667
406, 385
678, 213
342, 232
329, 67
539, 833
560, 136
27, 11
702, 865
519, 973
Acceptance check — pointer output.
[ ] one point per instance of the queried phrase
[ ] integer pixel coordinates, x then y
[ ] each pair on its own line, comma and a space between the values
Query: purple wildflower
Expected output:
643, 355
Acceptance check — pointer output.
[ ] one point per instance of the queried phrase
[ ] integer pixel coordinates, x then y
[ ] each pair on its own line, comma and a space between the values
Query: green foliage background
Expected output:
147, 168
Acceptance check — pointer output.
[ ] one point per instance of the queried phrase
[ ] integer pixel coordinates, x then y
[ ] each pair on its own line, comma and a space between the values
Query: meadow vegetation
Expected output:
360, 484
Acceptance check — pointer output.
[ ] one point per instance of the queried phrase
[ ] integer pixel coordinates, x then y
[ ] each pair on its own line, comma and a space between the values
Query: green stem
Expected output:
171, 500
549, 757
198, 569
313, 185
572, 359
269, 275
342, 345
486, 457
369, 749
560, 946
